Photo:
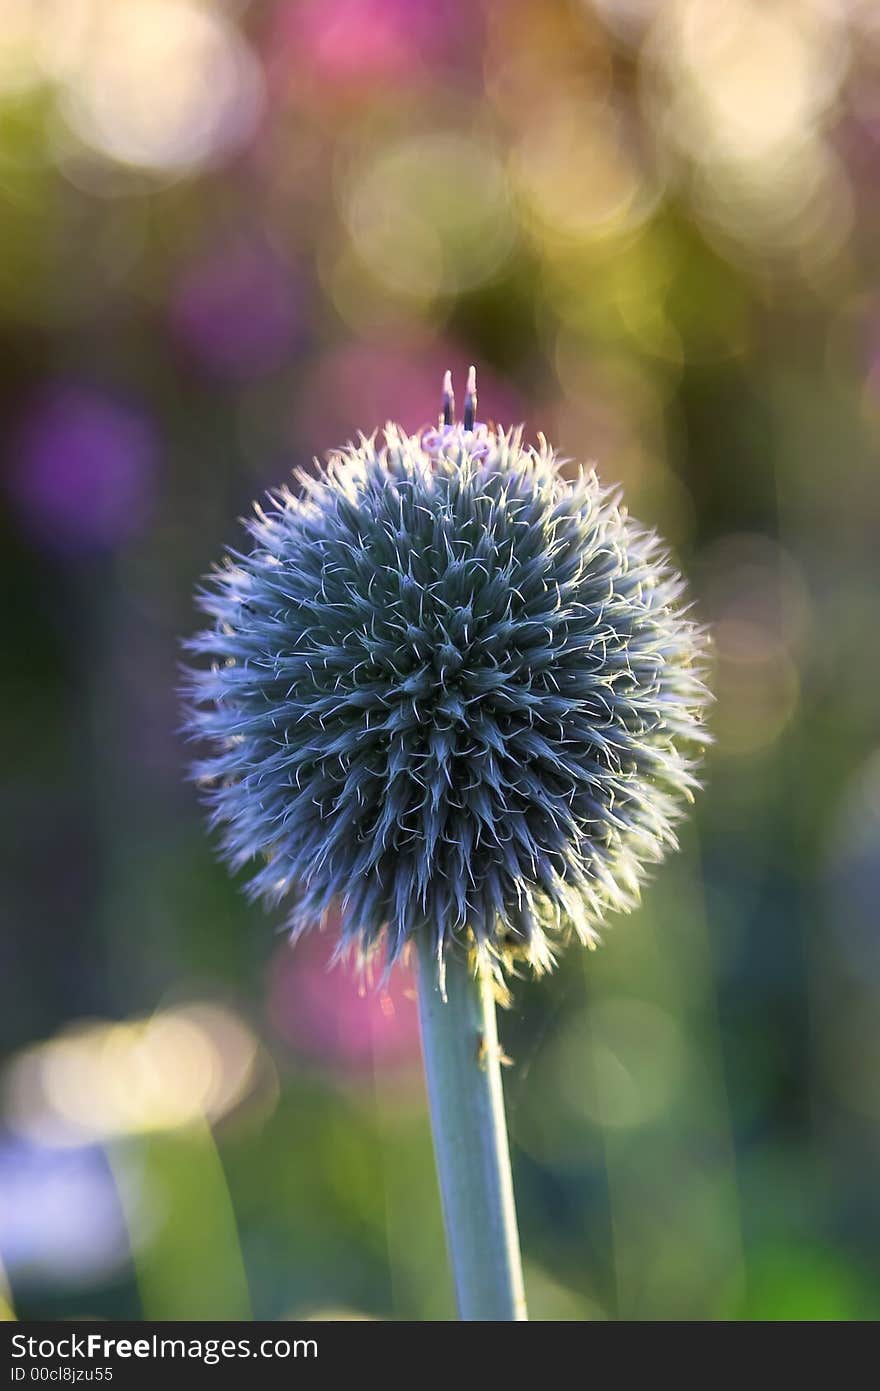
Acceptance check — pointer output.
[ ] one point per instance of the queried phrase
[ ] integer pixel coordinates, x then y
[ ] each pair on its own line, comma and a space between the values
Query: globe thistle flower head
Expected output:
448, 691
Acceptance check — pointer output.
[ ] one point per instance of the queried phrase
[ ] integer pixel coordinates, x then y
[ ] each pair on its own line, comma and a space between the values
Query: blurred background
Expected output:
232, 234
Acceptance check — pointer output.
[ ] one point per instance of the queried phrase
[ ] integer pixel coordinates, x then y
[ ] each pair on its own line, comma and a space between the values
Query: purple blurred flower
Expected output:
60, 1217
326, 1014
82, 471
237, 311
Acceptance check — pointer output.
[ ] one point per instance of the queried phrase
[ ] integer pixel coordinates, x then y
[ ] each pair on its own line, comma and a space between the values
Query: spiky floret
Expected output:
448, 692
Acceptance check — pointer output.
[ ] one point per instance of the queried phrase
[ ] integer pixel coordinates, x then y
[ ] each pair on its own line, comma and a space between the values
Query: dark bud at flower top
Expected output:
448, 692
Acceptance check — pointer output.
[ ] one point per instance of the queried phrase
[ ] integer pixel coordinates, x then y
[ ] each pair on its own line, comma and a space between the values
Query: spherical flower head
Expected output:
449, 692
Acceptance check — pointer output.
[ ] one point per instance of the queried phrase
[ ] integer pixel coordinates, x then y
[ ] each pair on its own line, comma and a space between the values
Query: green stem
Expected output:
462, 1067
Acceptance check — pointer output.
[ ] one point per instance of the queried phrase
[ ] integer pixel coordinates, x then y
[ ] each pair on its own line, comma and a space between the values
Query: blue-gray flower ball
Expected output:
448, 691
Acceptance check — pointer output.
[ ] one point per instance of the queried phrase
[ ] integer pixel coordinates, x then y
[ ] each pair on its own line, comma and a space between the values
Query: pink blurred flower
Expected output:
324, 1012
347, 41
363, 386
